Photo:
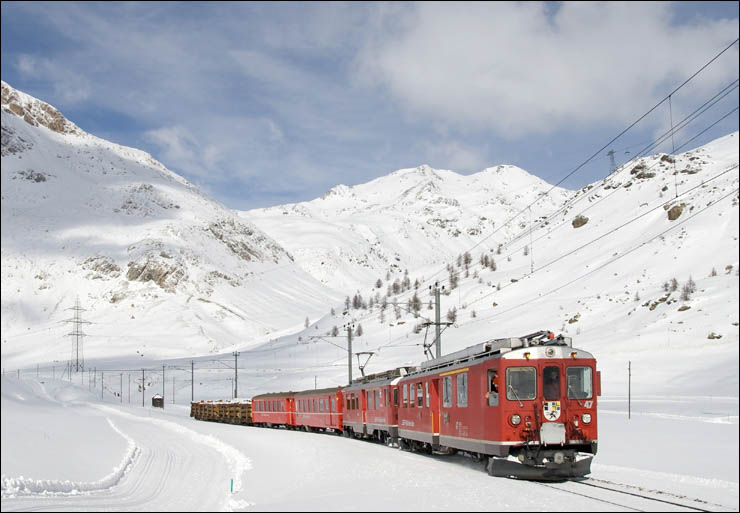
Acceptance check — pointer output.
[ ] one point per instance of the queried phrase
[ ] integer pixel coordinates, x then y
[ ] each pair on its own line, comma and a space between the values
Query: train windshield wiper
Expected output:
516, 396
575, 395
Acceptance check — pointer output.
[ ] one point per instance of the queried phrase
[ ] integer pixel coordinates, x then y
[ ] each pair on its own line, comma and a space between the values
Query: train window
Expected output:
315, 406
419, 395
377, 399
426, 386
580, 382
395, 397
551, 383
521, 383
370, 400
462, 389
492, 388
405, 395
447, 392
333, 404
387, 402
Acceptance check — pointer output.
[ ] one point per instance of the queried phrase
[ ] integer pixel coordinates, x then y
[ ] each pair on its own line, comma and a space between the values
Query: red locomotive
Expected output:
528, 404
532, 398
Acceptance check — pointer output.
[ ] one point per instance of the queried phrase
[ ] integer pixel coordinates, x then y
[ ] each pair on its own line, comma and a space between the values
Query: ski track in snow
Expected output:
166, 467
13, 486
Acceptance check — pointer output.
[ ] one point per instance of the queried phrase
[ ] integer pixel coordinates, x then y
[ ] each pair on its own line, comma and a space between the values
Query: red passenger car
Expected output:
319, 409
371, 406
276, 409
533, 398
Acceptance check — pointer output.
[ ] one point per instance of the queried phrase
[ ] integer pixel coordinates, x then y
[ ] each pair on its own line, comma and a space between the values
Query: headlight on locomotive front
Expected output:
586, 418
515, 419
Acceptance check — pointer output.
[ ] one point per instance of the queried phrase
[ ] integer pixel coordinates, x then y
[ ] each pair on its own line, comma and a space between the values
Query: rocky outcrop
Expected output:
35, 112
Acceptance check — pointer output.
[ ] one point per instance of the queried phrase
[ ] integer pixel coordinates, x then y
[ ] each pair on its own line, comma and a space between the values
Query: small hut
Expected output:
157, 401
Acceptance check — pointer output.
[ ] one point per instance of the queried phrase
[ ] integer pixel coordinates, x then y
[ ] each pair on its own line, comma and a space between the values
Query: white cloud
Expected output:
454, 155
518, 69
69, 87
220, 148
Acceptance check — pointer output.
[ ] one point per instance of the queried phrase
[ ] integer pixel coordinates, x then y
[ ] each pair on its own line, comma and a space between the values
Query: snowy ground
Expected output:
63, 448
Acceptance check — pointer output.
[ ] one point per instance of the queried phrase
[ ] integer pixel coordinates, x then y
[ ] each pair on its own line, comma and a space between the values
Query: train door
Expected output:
291, 411
553, 383
433, 402
446, 425
363, 402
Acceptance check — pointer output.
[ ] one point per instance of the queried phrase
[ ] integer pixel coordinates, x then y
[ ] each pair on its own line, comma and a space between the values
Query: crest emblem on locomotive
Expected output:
551, 410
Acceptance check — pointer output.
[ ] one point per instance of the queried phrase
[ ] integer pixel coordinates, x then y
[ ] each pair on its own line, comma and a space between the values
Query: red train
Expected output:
528, 404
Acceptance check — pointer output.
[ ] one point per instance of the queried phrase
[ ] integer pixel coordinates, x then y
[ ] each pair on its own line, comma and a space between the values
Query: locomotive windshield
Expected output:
521, 383
580, 382
551, 386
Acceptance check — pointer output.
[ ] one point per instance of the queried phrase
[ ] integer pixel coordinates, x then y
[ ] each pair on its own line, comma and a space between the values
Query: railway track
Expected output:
633, 498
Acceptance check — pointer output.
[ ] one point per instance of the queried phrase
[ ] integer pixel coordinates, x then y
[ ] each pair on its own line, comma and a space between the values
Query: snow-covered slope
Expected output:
606, 264
414, 219
160, 268
166, 272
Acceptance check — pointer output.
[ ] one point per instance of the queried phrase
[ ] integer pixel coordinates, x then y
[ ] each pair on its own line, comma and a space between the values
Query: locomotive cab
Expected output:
549, 407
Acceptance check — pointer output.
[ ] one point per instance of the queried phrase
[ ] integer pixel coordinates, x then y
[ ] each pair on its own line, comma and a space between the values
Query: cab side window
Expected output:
492, 388
447, 391
462, 389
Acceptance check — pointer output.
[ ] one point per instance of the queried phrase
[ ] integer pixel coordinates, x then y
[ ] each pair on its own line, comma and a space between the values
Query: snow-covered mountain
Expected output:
414, 219
166, 272
607, 264
151, 259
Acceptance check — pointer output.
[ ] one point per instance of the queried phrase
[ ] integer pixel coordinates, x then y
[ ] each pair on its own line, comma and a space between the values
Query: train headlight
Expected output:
516, 419
586, 418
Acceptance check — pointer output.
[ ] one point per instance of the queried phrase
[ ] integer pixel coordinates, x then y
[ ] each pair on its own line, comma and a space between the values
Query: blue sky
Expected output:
261, 104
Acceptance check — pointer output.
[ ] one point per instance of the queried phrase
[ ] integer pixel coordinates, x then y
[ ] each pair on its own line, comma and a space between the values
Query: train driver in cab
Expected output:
551, 386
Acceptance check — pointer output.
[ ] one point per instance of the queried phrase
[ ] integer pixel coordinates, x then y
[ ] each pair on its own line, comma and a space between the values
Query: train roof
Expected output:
273, 395
321, 391
494, 347
380, 378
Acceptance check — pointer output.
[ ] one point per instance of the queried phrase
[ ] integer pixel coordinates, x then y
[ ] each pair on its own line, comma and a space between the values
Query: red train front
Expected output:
533, 398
